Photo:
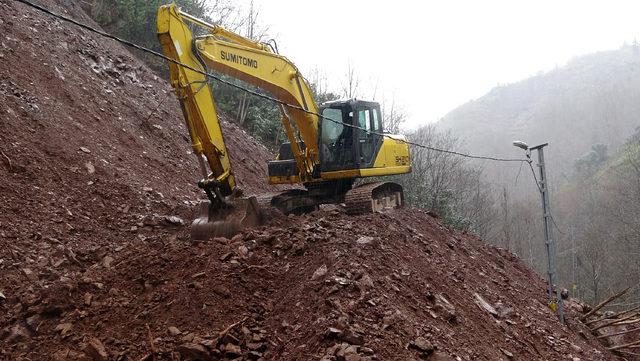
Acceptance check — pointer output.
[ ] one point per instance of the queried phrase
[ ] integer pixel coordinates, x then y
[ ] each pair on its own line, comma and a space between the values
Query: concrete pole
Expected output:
548, 232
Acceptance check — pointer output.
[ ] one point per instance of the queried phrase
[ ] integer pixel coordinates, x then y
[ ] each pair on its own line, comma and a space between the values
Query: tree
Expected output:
445, 184
393, 116
350, 86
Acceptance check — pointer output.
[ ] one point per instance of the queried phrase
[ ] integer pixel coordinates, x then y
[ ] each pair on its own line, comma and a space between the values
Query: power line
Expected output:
252, 92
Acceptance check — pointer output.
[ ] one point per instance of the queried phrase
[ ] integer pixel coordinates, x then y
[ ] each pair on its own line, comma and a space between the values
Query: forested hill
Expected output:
594, 99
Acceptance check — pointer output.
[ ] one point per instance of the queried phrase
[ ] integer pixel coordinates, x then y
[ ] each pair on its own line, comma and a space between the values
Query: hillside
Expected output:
593, 99
96, 262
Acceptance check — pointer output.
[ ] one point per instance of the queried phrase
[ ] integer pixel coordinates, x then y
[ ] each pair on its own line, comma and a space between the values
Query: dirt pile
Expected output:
92, 140
95, 262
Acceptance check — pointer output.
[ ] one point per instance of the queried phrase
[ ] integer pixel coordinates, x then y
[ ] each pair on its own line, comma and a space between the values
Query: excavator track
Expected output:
373, 197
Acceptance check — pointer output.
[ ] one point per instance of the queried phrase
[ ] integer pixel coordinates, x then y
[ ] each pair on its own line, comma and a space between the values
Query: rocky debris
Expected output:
319, 272
193, 352
64, 328
95, 350
31, 276
107, 261
506, 353
423, 346
175, 220
347, 352
18, 333
173, 331
445, 308
364, 240
90, 167
485, 305
333, 333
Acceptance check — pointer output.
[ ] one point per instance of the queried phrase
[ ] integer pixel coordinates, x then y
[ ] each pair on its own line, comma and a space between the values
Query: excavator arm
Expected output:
241, 58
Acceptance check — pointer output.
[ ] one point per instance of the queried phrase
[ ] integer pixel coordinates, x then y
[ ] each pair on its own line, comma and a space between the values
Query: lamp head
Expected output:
520, 144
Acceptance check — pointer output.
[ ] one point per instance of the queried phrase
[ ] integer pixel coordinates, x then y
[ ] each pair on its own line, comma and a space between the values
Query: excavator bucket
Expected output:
238, 214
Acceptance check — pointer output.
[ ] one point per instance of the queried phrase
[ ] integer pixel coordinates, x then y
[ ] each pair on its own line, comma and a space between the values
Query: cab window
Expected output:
331, 130
377, 125
364, 119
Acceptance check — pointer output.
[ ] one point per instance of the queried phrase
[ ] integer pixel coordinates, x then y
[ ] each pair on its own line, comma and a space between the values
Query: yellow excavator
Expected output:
330, 146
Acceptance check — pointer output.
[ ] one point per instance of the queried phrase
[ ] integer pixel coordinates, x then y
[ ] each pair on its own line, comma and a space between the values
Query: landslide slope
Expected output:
93, 265
91, 141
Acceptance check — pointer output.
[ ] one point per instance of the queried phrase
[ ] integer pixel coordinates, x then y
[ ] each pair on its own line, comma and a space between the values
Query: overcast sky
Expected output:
435, 55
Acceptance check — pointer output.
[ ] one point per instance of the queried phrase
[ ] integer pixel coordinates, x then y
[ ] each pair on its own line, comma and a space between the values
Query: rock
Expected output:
173, 331
320, 272
506, 353
485, 305
333, 333
2, 296
366, 350
243, 251
364, 240
366, 282
88, 297
30, 275
193, 352
18, 333
188, 337
257, 346
232, 351
445, 308
198, 275
353, 338
85, 150
90, 168
422, 344
107, 261
221, 290
503, 311
64, 328
95, 350
440, 356
226, 256
175, 220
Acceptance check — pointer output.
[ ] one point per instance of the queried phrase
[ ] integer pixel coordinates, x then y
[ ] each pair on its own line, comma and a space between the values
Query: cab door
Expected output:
368, 139
338, 146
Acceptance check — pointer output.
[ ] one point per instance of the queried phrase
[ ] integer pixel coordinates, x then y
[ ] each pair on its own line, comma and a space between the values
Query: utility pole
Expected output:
548, 230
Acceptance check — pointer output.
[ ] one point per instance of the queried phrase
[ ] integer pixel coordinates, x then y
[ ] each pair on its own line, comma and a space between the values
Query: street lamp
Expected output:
548, 231
520, 144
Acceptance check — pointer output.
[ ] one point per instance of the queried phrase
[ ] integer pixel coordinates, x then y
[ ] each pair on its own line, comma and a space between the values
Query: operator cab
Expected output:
343, 147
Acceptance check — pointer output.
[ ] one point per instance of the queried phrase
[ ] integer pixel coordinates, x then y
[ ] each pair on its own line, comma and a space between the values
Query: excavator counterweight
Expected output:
330, 145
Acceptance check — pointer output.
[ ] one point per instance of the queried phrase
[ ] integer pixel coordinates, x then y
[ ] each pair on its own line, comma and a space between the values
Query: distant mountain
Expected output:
594, 99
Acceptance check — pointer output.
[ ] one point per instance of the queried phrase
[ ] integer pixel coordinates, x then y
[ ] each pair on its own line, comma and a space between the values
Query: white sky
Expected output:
435, 55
